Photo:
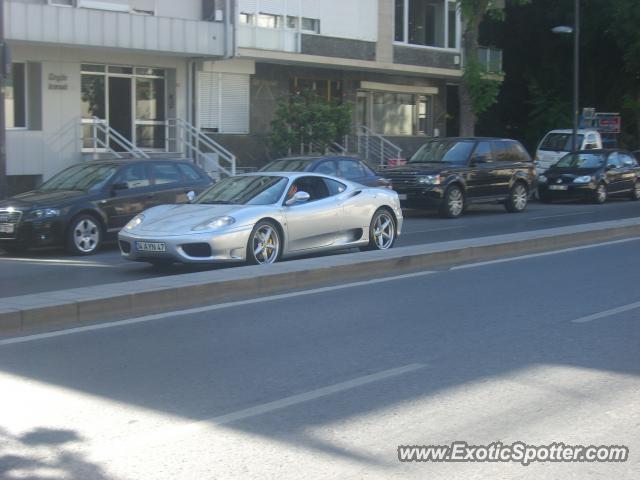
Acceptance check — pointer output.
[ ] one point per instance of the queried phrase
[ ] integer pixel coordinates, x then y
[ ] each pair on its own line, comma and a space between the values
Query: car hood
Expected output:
554, 172
419, 169
41, 198
180, 219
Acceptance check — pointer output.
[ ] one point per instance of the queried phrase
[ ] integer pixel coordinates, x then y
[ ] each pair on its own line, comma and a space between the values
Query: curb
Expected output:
111, 302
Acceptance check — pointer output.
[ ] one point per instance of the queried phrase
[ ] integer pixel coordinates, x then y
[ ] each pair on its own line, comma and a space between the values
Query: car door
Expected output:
131, 192
479, 175
315, 223
614, 173
169, 185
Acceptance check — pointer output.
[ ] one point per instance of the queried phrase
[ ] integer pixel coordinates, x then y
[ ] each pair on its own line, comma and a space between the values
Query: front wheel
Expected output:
600, 195
635, 191
518, 198
382, 231
84, 236
265, 245
453, 203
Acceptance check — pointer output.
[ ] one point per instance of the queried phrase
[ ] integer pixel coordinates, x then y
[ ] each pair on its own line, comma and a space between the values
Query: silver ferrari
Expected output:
262, 217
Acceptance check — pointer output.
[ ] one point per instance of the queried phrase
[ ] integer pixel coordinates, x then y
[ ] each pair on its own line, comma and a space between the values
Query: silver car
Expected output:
262, 217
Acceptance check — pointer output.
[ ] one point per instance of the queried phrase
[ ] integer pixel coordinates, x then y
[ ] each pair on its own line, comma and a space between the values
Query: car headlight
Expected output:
583, 179
45, 213
542, 179
429, 180
134, 222
214, 223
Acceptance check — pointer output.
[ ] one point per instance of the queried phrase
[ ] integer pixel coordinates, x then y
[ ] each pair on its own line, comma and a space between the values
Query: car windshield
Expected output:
443, 151
582, 160
249, 190
80, 177
287, 165
559, 142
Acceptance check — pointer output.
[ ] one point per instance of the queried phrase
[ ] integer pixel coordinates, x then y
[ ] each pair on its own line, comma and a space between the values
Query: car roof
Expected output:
603, 150
470, 139
292, 175
569, 130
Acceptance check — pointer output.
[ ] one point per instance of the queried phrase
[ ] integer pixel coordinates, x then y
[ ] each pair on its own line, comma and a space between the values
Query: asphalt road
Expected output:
328, 384
49, 270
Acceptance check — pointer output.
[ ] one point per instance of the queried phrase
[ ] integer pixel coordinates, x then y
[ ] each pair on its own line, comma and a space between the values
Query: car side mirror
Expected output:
298, 197
119, 186
191, 196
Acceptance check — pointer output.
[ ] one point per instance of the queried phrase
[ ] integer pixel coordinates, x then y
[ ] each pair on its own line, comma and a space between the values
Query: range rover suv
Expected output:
451, 173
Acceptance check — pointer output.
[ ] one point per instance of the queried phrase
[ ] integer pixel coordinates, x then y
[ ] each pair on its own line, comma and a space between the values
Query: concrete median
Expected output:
74, 307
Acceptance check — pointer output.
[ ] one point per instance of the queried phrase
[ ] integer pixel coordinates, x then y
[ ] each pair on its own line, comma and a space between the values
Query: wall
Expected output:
57, 144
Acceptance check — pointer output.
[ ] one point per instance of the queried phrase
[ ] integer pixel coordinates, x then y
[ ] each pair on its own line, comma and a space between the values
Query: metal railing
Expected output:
490, 59
102, 138
334, 148
371, 147
216, 160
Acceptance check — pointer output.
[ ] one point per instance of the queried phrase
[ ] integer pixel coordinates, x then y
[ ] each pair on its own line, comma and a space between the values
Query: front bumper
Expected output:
574, 190
206, 247
421, 197
36, 233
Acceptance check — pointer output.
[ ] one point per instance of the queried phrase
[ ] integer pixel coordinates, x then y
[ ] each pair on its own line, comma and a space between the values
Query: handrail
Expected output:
374, 147
111, 135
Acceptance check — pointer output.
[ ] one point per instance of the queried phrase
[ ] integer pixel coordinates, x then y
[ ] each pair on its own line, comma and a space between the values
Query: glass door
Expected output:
120, 109
150, 123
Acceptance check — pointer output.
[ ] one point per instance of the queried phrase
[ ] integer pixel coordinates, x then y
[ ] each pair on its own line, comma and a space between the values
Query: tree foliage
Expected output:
305, 121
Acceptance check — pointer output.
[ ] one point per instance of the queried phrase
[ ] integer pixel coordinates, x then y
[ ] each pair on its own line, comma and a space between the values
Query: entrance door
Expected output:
120, 108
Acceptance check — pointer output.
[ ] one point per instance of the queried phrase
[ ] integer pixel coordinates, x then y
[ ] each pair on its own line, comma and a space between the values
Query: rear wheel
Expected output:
382, 230
518, 198
635, 191
453, 202
265, 244
84, 236
600, 195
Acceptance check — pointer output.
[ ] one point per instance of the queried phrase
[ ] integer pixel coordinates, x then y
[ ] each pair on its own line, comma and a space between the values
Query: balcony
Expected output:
76, 26
278, 39
490, 59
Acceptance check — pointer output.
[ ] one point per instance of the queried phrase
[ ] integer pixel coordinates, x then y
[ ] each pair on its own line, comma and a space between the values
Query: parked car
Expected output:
591, 175
557, 143
81, 206
262, 217
351, 168
451, 173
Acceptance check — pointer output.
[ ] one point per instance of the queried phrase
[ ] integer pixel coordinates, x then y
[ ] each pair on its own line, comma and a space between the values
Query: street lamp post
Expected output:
576, 69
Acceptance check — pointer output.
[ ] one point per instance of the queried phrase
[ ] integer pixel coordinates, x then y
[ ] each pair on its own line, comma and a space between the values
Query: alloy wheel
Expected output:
265, 244
384, 231
86, 235
601, 193
519, 197
456, 202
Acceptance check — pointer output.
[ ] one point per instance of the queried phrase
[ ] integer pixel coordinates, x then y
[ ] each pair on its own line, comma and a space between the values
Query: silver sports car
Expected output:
262, 217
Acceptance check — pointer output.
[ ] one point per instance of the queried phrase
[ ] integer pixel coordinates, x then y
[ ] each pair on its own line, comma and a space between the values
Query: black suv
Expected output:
451, 173
83, 204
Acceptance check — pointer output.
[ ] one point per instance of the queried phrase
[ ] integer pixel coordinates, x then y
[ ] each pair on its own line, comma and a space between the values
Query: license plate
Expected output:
558, 187
151, 246
402, 196
7, 227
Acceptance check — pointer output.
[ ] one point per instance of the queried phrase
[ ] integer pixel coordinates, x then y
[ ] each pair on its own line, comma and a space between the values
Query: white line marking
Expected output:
541, 254
208, 308
561, 215
68, 263
607, 313
404, 232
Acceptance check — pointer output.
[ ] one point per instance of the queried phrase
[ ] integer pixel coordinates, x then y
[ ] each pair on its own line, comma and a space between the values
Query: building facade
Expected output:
103, 76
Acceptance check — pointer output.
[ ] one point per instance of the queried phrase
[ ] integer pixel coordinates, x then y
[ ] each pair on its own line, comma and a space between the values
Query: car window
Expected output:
81, 177
443, 151
628, 160
134, 176
189, 172
581, 160
500, 152
516, 152
334, 186
327, 167
614, 160
483, 153
245, 190
350, 169
165, 173
559, 142
288, 165
314, 186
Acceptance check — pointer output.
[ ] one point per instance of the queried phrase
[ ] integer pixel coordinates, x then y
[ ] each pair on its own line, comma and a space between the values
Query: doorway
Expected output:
120, 118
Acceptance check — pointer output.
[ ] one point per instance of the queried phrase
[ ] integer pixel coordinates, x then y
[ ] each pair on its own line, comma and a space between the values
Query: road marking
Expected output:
208, 308
561, 215
404, 232
67, 263
607, 313
541, 254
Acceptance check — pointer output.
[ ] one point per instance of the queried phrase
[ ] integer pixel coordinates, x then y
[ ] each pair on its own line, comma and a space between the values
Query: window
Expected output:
314, 186
431, 23
61, 3
334, 186
223, 102
310, 25
327, 167
614, 160
628, 161
482, 153
350, 169
327, 89
15, 97
400, 113
292, 22
165, 173
268, 21
188, 171
246, 18
135, 176
500, 151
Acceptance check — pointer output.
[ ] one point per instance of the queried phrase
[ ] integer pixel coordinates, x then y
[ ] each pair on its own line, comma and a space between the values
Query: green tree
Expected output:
305, 121
478, 91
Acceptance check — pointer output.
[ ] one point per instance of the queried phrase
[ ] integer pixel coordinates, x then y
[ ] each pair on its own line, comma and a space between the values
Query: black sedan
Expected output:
591, 175
349, 168
81, 206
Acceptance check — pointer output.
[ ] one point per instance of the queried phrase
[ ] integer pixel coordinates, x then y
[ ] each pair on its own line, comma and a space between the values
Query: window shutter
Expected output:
208, 94
235, 103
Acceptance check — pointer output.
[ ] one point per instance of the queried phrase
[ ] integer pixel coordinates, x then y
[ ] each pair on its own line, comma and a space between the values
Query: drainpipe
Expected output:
4, 192
229, 31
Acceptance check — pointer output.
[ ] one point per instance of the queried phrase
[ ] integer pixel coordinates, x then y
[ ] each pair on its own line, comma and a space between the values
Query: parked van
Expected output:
557, 143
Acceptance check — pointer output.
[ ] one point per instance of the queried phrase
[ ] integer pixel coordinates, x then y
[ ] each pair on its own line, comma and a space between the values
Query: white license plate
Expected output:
558, 187
7, 227
402, 196
151, 246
